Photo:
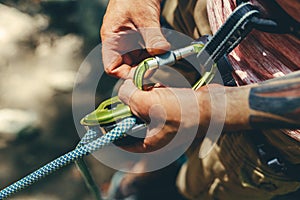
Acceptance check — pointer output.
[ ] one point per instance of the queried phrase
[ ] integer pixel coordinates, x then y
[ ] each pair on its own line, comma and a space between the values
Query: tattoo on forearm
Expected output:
277, 103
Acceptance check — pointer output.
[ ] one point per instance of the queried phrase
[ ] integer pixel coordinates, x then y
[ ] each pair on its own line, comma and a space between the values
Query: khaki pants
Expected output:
232, 169
187, 16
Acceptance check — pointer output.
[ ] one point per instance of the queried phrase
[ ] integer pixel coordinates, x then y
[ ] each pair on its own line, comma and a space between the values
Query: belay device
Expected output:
116, 117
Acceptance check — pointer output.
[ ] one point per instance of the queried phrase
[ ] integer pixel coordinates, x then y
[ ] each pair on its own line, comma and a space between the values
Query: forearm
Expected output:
271, 104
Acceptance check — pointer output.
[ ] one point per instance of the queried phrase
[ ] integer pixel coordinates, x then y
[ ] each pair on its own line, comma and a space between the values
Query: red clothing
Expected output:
261, 55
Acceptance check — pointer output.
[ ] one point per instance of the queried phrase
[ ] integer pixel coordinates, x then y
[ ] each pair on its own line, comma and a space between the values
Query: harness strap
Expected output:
231, 33
282, 23
226, 69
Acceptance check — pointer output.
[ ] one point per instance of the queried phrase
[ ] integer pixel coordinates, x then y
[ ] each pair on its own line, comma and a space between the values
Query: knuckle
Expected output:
148, 145
108, 70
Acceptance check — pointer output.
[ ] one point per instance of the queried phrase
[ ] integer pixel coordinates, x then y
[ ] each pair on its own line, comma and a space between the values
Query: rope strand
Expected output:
118, 132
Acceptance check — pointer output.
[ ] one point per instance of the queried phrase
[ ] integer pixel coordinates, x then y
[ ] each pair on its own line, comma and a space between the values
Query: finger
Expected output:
130, 94
151, 86
155, 139
113, 61
149, 27
155, 41
136, 147
158, 137
128, 91
131, 73
116, 64
120, 51
139, 101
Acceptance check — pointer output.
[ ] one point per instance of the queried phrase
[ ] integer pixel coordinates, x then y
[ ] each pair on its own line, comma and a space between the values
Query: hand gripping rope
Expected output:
237, 26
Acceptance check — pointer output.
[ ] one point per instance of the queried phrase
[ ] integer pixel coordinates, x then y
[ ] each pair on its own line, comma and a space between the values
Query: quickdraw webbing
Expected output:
234, 30
89, 147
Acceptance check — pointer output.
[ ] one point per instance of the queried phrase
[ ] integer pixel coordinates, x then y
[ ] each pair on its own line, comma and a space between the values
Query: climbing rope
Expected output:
83, 167
86, 147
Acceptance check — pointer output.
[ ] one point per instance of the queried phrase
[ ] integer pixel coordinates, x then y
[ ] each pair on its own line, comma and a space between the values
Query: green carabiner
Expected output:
142, 68
169, 58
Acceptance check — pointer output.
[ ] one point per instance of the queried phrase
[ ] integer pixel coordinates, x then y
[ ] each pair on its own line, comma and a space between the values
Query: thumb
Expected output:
155, 41
139, 101
128, 92
146, 18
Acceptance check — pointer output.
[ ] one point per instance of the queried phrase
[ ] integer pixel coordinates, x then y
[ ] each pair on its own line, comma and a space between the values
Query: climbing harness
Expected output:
116, 117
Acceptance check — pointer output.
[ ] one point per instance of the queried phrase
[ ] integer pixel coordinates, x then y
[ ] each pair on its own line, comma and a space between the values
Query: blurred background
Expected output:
43, 43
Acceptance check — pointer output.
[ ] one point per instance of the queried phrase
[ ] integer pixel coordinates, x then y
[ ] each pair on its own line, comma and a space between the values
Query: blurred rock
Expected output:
62, 81
39, 67
15, 123
15, 27
58, 52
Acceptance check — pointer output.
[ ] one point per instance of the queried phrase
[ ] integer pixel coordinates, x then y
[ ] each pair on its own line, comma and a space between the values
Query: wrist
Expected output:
204, 110
237, 108
224, 106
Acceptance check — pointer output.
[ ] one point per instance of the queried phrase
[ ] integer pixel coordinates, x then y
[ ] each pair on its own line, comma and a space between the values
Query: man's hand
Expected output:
271, 104
128, 27
168, 111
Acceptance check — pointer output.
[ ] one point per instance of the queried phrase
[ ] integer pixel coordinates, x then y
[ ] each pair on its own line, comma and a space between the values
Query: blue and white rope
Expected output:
88, 137
118, 132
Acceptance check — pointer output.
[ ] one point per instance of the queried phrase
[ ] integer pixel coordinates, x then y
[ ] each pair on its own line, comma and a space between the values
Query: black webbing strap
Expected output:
225, 68
281, 22
229, 35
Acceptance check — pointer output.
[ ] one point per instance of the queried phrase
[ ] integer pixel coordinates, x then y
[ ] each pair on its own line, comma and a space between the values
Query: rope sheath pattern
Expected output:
118, 132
